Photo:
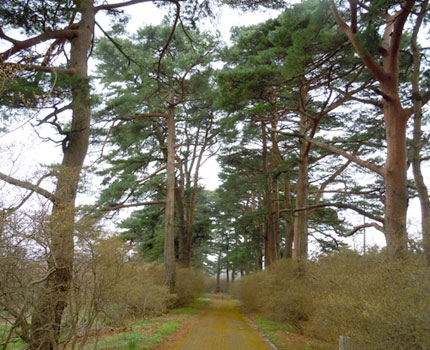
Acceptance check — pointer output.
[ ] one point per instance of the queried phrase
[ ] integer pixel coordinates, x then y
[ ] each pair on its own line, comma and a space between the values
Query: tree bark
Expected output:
269, 227
300, 250
47, 315
289, 221
169, 235
417, 141
396, 197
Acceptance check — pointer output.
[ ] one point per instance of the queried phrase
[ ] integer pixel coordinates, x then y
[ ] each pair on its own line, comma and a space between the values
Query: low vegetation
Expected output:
379, 305
117, 300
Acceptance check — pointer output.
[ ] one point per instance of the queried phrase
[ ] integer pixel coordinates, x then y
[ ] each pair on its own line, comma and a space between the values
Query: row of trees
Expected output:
304, 102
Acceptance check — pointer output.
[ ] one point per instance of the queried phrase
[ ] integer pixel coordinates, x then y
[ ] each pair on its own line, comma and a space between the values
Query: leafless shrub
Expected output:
380, 305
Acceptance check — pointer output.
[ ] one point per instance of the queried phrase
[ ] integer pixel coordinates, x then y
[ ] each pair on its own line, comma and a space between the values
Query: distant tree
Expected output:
176, 86
289, 79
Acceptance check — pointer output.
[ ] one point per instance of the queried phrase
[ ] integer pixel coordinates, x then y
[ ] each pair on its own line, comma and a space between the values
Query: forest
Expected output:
317, 119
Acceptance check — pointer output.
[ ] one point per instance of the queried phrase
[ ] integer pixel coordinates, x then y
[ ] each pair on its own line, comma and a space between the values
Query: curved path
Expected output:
222, 326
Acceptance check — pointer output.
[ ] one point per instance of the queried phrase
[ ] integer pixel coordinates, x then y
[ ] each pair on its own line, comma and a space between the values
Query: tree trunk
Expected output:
218, 273
289, 221
183, 253
417, 141
48, 312
269, 227
396, 200
275, 161
395, 116
169, 235
300, 251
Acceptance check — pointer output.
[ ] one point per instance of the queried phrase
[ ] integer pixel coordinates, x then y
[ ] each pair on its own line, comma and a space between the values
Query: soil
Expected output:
222, 326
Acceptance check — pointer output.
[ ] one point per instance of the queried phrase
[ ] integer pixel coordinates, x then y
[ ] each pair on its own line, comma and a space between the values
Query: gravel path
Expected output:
221, 327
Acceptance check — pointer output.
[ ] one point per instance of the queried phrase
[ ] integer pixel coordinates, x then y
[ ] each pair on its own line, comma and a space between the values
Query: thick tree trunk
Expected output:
48, 312
169, 235
396, 117
396, 199
300, 251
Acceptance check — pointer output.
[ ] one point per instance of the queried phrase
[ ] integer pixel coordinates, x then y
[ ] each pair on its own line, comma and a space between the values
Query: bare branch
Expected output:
67, 33
340, 206
151, 175
29, 186
120, 4
118, 46
359, 227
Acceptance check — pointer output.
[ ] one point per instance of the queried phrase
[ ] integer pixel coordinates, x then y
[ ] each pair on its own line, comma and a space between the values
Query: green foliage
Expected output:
36, 15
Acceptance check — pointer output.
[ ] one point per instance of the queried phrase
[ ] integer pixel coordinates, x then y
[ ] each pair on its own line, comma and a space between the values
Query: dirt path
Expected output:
221, 327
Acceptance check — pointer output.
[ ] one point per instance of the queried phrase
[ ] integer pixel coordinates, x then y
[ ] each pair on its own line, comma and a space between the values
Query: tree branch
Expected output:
25, 44
151, 175
375, 69
35, 68
169, 39
340, 206
144, 115
359, 227
368, 165
121, 206
29, 186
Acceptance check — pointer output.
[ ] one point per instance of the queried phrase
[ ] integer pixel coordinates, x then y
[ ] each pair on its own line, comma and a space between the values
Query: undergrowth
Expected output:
380, 305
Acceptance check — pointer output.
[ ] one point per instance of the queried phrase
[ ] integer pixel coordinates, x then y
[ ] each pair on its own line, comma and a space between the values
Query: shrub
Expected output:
380, 305
279, 293
190, 284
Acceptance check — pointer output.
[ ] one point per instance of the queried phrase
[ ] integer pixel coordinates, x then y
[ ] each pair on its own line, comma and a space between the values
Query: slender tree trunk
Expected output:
48, 312
270, 235
275, 161
289, 221
218, 273
169, 236
183, 254
417, 141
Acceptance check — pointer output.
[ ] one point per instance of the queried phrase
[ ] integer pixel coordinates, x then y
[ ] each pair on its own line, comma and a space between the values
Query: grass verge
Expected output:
283, 336
147, 334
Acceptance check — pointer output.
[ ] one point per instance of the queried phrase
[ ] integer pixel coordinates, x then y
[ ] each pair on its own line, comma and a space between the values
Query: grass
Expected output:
284, 336
145, 334
193, 308
15, 343
270, 328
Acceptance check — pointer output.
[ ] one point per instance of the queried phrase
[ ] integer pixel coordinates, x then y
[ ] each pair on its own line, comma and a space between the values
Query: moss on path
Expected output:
222, 326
